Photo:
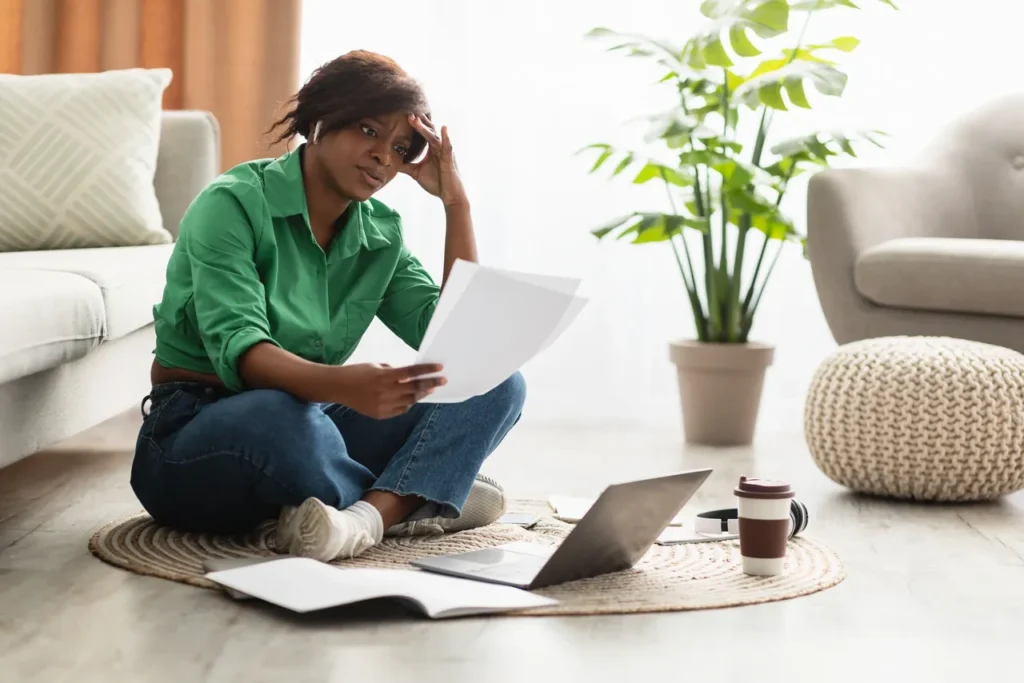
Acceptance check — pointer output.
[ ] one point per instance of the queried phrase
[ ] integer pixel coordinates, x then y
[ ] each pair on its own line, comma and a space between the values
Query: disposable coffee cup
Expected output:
765, 524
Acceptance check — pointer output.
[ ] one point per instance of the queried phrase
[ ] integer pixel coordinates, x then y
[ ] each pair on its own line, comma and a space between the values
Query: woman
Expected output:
279, 268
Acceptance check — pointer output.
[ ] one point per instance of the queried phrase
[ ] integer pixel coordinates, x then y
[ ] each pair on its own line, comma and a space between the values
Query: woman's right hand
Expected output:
380, 391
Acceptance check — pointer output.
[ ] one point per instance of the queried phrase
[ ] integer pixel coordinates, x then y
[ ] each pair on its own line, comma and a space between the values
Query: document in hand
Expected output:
490, 322
304, 585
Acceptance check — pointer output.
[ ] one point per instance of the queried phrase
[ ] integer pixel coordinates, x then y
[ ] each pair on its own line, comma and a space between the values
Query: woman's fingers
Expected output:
425, 129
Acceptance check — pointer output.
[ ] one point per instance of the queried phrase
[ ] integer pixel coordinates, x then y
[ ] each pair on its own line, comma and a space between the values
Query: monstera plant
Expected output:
725, 178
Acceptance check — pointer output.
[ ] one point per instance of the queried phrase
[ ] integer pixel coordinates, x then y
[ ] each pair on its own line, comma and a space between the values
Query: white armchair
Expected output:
931, 249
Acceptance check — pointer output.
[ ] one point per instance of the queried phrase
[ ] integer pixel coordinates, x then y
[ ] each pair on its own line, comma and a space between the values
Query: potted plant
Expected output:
724, 224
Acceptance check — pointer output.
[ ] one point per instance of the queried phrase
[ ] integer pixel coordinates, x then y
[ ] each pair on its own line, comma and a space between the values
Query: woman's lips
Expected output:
371, 179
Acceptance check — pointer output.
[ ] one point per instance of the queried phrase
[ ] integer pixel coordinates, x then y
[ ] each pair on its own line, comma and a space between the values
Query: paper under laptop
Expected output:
304, 585
680, 530
490, 322
571, 509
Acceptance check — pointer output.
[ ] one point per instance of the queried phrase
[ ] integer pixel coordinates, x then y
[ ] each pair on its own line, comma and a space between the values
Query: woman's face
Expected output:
366, 156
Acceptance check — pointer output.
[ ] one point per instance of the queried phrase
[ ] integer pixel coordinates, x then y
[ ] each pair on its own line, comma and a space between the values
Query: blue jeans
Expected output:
222, 463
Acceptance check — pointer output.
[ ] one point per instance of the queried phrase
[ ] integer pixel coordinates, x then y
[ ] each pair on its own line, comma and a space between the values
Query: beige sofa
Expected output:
934, 248
76, 326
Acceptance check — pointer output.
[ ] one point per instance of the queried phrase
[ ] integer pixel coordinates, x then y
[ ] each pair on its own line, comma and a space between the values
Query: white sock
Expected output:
324, 533
362, 517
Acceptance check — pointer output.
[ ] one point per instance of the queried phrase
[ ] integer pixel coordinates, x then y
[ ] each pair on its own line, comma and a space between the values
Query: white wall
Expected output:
521, 90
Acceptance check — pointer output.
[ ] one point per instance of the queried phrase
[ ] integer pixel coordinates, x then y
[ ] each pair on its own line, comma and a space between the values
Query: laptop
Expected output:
613, 535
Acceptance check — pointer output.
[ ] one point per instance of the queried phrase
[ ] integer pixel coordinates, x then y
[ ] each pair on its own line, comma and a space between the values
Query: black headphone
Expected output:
726, 521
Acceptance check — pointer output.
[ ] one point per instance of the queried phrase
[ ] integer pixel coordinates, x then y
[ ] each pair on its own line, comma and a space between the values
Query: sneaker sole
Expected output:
485, 505
488, 505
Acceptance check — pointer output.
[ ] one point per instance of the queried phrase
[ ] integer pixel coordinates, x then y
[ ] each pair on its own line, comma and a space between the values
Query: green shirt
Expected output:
247, 269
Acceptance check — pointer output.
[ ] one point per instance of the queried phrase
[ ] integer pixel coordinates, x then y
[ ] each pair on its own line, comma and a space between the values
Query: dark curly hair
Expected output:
355, 85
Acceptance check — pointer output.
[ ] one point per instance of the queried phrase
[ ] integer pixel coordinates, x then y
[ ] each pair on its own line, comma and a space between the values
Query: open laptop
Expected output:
613, 535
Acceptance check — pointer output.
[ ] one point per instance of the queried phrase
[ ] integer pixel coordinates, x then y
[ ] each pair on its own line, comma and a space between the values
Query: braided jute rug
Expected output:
668, 578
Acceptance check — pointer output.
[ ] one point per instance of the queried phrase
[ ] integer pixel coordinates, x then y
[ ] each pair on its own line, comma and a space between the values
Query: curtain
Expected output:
235, 58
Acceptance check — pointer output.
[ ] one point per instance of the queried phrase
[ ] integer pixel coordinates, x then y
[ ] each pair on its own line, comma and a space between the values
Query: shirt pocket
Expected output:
358, 316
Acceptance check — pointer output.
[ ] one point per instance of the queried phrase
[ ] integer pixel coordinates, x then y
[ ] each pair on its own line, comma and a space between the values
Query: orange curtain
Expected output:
235, 58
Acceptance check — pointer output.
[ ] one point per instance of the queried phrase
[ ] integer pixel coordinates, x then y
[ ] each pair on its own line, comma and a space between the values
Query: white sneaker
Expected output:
321, 532
485, 505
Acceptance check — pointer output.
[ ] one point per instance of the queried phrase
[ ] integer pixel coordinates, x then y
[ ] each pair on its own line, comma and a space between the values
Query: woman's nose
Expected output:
382, 155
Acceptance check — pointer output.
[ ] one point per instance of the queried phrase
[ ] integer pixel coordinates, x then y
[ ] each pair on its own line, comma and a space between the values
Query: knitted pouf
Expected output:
922, 418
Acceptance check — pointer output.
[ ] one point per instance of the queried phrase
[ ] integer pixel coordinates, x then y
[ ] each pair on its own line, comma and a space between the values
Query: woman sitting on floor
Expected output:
280, 267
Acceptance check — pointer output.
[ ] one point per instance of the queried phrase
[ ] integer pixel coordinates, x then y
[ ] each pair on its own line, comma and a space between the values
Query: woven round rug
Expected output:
669, 578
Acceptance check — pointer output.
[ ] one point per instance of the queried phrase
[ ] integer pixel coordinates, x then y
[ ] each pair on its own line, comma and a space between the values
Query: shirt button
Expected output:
317, 344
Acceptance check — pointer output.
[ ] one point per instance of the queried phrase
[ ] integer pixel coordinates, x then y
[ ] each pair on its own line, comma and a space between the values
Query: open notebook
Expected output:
303, 585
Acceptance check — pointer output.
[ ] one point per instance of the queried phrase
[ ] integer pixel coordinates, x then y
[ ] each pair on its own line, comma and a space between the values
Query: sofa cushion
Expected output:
131, 279
48, 318
944, 274
78, 156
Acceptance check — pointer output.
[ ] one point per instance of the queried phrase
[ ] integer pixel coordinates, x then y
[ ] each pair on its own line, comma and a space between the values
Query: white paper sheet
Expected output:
571, 509
490, 322
303, 585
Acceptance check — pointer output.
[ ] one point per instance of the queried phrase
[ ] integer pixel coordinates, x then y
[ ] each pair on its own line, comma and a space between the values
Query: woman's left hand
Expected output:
437, 172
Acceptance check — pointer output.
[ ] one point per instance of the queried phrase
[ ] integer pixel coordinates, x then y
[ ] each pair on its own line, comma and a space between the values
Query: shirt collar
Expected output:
286, 196
283, 188
359, 232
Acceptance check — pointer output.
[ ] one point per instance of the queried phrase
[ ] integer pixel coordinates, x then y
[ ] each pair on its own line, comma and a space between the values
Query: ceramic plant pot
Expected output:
720, 389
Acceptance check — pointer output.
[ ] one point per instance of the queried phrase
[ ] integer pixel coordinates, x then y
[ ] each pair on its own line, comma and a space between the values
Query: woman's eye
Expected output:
401, 150
369, 131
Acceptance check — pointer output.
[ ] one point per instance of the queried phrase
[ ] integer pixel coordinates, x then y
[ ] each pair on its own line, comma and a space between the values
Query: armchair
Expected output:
934, 248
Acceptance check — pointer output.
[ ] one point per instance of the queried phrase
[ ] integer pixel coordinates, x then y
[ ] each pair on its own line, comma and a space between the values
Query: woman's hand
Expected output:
380, 391
437, 172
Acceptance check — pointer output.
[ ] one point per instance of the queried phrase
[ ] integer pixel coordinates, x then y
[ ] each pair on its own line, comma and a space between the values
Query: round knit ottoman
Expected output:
921, 418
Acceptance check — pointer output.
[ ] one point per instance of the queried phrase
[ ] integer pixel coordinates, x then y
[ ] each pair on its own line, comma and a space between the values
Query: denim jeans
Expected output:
222, 463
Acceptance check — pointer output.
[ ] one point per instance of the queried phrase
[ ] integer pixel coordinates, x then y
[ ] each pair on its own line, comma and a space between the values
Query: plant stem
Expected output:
689, 278
699, 320
762, 135
714, 304
748, 318
764, 247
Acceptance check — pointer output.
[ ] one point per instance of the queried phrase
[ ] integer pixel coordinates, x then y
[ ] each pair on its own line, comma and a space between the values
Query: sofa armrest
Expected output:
189, 159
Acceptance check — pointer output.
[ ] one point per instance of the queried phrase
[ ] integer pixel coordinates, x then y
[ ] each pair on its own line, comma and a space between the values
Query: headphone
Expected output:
726, 521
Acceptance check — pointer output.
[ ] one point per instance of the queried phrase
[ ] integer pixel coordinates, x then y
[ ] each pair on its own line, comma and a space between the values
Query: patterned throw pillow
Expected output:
77, 158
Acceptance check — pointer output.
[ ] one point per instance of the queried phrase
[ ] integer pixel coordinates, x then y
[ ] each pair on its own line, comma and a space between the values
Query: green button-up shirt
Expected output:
247, 269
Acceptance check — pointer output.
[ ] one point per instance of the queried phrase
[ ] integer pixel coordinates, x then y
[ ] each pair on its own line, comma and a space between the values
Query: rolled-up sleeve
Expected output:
409, 300
229, 297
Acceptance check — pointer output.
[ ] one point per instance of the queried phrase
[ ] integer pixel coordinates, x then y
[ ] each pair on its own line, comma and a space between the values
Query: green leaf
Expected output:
603, 157
641, 45
655, 171
818, 146
771, 94
741, 43
814, 5
650, 227
844, 43
605, 229
743, 200
623, 165
661, 227
803, 54
673, 125
766, 88
795, 91
733, 80
715, 54
766, 18
775, 225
